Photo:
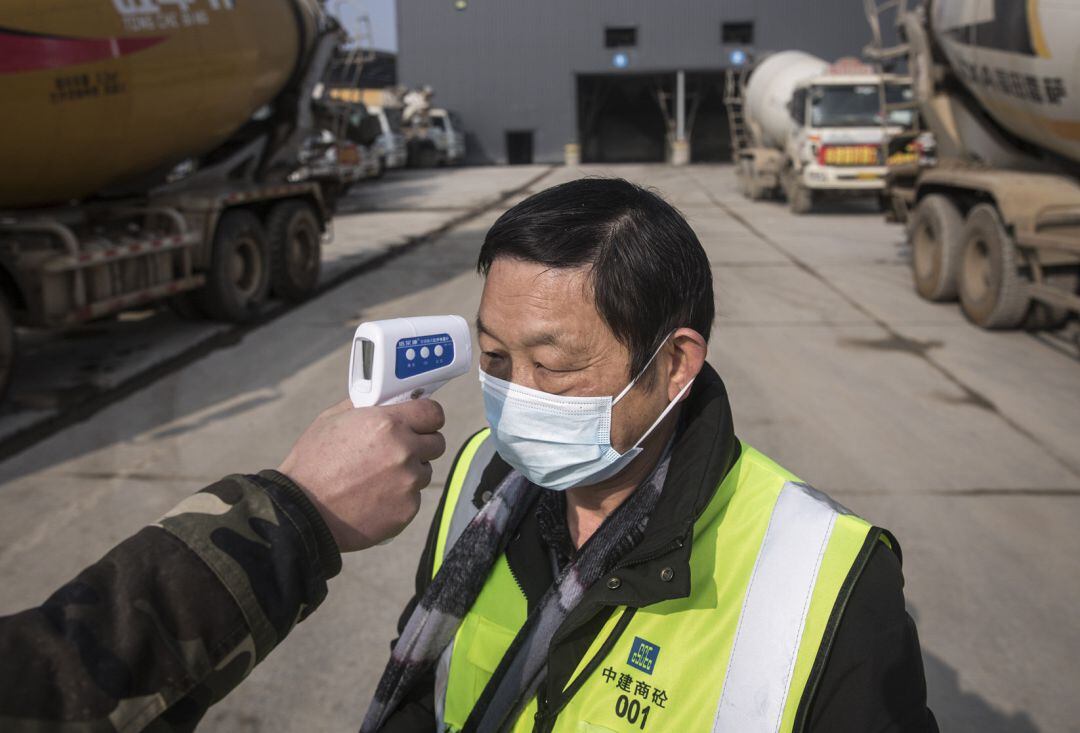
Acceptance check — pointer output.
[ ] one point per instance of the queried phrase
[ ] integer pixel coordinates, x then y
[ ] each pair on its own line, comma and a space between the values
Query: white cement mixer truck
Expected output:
810, 129
996, 223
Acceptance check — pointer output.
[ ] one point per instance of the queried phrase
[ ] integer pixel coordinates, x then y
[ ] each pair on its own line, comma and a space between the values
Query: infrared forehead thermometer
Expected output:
404, 359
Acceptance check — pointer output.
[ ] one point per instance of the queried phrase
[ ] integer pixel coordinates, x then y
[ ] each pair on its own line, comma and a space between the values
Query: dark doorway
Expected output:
519, 147
619, 118
710, 135
625, 118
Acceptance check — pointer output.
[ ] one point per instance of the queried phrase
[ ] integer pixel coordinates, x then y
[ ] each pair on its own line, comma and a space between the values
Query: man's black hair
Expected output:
649, 273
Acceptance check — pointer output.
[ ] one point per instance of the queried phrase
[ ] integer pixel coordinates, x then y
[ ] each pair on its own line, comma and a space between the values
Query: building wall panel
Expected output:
512, 64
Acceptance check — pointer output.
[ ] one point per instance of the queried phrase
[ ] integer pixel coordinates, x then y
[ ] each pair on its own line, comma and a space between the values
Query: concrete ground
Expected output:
965, 443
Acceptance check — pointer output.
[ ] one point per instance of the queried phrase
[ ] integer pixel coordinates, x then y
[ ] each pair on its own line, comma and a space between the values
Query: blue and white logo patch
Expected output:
643, 655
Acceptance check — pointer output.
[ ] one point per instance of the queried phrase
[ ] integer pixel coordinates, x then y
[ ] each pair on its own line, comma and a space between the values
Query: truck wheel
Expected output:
7, 345
755, 187
239, 275
801, 199
295, 250
937, 247
757, 190
992, 292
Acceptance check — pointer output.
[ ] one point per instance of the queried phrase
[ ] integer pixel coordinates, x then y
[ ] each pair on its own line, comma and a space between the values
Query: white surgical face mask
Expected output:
558, 441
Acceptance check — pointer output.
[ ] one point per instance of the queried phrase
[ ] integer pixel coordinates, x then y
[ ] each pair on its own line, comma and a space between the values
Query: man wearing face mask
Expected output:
608, 556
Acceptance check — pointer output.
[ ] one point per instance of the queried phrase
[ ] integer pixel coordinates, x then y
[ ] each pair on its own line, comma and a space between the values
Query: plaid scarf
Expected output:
452, 592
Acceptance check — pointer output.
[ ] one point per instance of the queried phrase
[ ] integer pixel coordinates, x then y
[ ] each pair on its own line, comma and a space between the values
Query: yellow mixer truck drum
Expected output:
98, 92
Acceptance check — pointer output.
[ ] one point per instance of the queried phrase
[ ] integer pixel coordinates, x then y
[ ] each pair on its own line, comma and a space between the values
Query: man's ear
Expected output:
688, 357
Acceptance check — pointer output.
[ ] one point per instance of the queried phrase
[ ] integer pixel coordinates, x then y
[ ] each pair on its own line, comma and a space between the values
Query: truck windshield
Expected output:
854, 105
438, 121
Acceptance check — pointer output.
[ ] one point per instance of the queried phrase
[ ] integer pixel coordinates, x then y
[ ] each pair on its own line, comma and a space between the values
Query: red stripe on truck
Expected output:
21, 51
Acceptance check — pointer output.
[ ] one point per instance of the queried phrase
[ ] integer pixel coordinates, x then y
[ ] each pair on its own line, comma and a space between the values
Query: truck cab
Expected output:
835, 143
448, 135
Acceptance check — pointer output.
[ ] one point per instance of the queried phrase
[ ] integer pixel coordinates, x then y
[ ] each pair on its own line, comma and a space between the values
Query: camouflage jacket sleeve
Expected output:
171, 619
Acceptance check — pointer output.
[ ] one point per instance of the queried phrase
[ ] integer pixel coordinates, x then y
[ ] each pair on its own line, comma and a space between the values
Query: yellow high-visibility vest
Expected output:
772, 564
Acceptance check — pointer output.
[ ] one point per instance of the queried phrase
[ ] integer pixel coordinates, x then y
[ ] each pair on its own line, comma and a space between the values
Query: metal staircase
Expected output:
895, 59
734, 88
877, 51
890, 59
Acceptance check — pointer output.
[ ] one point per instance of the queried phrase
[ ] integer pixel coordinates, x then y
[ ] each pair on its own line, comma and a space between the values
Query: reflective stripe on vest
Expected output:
464, 480
770, 562
774, 611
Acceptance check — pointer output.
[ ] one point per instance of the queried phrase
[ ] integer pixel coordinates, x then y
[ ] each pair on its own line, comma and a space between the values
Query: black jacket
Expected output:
873, 676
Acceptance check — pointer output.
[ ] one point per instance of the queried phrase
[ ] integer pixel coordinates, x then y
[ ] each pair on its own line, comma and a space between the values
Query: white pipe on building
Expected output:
680, 105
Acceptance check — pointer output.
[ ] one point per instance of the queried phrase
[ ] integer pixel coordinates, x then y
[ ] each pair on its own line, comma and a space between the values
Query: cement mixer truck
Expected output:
145, 154
995, 223
809, 129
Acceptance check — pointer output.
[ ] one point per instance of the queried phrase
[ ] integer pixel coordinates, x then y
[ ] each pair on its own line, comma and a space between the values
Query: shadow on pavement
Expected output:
853, 206
959, 710
1065, 341
389, 194
418, 190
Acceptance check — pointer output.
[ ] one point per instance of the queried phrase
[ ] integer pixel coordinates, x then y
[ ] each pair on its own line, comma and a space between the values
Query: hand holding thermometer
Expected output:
406, 358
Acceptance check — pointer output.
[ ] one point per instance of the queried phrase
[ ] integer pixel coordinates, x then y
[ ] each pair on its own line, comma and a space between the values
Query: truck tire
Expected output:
937, 247
993, 294
7, 345
800, 199
756, 189
295, 250
238, 280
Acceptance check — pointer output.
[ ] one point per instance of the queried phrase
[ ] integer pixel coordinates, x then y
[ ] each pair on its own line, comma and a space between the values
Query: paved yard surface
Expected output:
965, 443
